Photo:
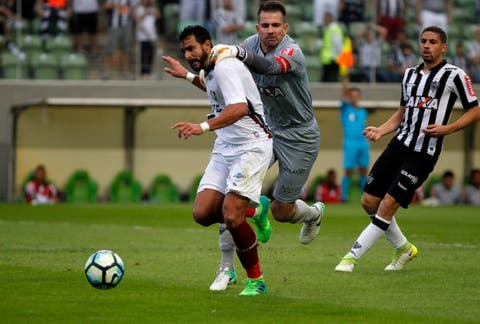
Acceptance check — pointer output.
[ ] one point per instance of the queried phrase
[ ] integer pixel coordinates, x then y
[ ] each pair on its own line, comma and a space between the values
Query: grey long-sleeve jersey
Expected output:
284, 88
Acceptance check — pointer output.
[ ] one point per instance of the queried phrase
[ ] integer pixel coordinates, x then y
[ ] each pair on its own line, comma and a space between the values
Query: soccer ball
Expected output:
104, 269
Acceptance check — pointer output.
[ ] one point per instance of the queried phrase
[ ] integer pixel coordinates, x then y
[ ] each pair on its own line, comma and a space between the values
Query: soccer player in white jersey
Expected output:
242, 151
279, 69
429, 92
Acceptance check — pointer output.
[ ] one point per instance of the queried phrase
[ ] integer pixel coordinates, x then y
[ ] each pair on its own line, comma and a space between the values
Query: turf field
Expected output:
170, 262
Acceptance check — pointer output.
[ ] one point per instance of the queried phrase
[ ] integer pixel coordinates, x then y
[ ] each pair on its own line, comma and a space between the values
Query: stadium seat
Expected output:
74, 66
31, 44
193, 189
125, 189
13, 67
59, 45
163, 190
80, 188
44, 66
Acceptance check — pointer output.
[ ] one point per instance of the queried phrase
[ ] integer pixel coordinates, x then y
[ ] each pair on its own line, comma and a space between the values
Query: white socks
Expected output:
369, 236
304, 213
394, 234
227, 246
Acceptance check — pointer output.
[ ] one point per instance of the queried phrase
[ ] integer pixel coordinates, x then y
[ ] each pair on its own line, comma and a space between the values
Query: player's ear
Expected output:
444, 48
285, 28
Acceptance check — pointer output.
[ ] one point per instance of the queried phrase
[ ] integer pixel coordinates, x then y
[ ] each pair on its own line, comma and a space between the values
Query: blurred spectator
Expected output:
474, 56
85, 20
39, 191
322, 6
193, 11
329, 191
331, 49
472, 190
5, 14
146, 15
391, 15
356, 149
477, 12
460, 57
401, 56
119, 35
369, 45
54, 16
26, 13
351, 11
228, 22
446, 192
434, 13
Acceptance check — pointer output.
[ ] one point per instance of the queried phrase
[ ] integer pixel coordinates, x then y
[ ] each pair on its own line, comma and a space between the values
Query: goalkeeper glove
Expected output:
220, 52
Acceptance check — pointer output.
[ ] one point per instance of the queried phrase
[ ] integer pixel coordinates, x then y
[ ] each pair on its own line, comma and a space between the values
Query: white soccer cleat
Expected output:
225, 276
310, 229
347, 264
402, 256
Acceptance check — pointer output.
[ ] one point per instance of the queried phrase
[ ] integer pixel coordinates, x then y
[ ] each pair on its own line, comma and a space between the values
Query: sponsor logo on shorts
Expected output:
402, 186
370, 179
413, 179
238, 176
294, 171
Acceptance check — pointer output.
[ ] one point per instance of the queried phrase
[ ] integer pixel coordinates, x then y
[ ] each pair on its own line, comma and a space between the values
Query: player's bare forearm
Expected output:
375, 133
469, 117
229, 115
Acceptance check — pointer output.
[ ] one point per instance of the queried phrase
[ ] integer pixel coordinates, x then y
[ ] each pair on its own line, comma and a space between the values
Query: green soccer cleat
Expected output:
225, 277
402, 256
254, 287
346, 264
263, 229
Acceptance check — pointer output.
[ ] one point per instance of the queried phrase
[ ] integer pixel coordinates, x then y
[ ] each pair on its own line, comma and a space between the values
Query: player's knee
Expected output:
202, 217
369, 203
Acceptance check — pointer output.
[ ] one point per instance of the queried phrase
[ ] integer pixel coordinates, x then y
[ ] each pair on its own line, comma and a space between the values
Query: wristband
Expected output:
190, 77
205, 126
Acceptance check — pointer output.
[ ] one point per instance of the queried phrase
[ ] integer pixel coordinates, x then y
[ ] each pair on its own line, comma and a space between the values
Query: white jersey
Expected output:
230, 82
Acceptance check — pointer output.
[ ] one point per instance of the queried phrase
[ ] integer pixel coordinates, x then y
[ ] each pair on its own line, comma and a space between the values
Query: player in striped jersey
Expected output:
429, 92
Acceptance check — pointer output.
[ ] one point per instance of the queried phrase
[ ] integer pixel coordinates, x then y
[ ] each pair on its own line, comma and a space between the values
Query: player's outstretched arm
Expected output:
375, 133
177, 70
469, 117
229, 115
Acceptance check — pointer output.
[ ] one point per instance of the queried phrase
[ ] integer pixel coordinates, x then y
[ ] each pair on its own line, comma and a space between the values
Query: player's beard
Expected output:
201, 62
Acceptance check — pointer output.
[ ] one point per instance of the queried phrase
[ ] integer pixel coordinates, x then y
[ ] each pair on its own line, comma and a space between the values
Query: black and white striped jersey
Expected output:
428, 98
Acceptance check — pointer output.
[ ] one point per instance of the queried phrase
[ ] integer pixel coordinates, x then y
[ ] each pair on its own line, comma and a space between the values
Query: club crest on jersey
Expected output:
434, 86
272, 91
422, 102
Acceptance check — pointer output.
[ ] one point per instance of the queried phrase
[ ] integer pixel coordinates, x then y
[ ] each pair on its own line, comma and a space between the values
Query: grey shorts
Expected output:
120, 38
296, 151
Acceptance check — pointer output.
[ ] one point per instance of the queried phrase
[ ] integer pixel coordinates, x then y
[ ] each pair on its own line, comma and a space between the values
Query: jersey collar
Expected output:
433, 69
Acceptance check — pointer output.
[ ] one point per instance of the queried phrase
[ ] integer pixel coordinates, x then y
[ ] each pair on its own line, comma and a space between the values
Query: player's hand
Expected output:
220, 52
186, 130
176, 68
436, 130
372, 133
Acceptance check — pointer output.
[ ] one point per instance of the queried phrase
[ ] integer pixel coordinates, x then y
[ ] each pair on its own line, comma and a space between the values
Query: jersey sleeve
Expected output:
227, 74
463, 87
290, 59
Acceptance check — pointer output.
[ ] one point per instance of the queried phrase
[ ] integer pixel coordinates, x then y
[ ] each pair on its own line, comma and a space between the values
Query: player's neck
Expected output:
427, 66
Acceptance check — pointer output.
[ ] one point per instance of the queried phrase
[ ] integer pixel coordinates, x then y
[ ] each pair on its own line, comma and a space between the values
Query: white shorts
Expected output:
238, 168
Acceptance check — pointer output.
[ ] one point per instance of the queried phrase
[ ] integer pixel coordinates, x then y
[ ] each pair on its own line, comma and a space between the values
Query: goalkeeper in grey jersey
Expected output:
278, 67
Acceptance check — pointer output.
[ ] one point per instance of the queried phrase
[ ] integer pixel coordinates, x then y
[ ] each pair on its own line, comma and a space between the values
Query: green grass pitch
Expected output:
170, 262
